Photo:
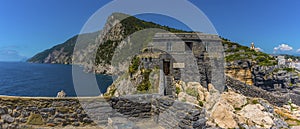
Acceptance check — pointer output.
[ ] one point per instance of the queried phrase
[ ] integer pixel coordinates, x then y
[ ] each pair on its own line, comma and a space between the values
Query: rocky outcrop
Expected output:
255, 114
192, 92
240, 70
274, 78
290, 113
129, 84
269, 78
223, 116
244, 113
231, 109
237, 101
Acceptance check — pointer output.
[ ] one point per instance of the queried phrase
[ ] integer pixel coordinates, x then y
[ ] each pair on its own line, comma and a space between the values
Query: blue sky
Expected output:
30, 26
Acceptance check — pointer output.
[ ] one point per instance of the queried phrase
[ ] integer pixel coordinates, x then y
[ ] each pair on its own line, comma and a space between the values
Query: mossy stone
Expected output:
35, 119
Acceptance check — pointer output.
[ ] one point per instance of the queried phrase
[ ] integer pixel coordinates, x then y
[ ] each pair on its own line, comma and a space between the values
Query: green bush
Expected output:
201, 104
145, 84
289, 69
285, 69
177, 90
135, 62
191, 92
237, 109
105, 52
255, 101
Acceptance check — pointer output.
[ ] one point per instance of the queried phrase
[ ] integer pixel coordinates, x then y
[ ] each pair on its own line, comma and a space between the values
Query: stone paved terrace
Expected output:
136, 111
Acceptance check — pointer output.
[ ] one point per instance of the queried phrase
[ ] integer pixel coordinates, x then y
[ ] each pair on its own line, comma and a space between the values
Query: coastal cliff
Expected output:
237, 107
115, 32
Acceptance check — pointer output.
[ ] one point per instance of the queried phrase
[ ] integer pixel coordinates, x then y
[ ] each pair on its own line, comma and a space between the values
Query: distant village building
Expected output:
281, 60
292, 65
252, 47
297, 66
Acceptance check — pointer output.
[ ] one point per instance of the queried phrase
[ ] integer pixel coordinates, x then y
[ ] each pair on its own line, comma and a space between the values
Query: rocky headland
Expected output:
256, 93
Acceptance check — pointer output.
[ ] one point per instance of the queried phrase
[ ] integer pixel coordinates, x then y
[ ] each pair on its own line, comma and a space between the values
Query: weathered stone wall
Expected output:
172, 114
21, 112
189, 73
134, 106
24, 112
252, 91
216, 63
150, 63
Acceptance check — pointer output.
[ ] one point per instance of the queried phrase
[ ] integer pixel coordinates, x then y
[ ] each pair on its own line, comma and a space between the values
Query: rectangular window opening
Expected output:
188, 46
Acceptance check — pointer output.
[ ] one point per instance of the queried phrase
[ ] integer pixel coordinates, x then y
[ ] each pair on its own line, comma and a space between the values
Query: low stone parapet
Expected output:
45, 112
173, 114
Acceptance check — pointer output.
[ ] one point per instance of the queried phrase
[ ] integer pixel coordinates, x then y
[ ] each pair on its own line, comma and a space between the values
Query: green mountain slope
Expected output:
62, 53
243, 53
114, 33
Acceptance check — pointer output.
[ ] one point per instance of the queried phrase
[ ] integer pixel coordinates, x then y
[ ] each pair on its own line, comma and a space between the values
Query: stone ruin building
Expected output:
189, 57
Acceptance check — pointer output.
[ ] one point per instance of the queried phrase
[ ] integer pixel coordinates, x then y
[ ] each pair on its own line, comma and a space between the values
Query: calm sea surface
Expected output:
27, 79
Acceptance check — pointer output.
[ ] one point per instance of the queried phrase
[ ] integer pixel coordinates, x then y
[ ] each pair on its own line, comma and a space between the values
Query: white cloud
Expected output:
283, 47
298, 50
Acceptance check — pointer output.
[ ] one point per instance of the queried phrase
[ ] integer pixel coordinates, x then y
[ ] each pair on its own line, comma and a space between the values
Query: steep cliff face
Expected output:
62, 53
240, 71
103, 44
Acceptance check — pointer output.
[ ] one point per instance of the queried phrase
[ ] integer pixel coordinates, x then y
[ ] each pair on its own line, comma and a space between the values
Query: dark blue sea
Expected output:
45, 80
